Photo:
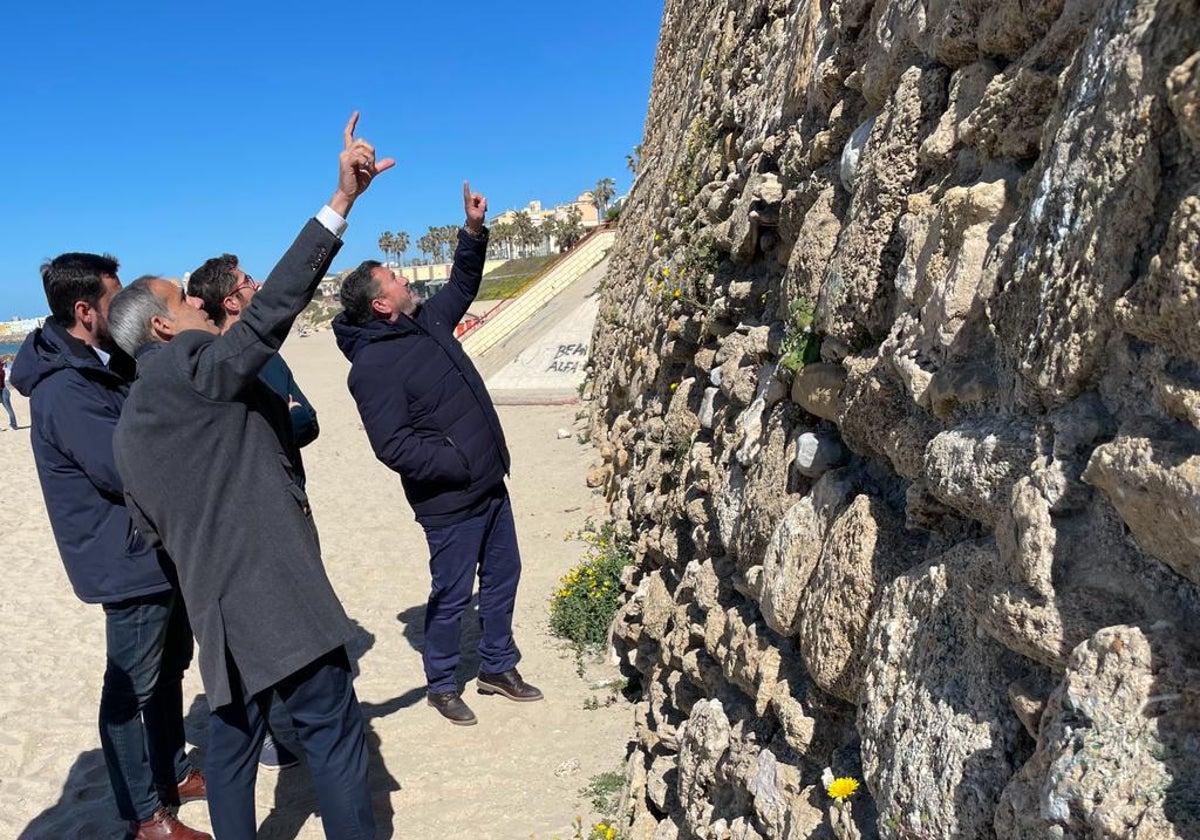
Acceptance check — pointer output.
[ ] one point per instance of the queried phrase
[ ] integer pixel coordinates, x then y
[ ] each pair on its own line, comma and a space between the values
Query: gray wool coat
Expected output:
206, 454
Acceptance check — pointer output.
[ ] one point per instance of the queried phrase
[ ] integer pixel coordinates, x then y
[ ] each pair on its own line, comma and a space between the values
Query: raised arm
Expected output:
451, 303
222, 367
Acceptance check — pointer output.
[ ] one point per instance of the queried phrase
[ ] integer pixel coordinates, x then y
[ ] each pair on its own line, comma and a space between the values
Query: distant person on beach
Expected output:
202, 447
5, 395
430, 418
77, 383
224, 291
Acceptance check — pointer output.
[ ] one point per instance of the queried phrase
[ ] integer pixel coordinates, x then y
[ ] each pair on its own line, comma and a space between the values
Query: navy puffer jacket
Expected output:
75, 402
422, 402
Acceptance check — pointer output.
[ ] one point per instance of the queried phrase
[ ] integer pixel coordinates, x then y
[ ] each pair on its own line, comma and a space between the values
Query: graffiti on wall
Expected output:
568, 358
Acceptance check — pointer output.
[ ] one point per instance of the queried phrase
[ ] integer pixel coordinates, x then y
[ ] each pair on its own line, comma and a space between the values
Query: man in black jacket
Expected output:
430, 418
201, 450
77, 382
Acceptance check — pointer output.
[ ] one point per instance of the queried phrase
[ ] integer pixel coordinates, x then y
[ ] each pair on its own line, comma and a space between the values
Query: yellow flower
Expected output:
666, 272
674, 385
841, 788
677, 293
610, 834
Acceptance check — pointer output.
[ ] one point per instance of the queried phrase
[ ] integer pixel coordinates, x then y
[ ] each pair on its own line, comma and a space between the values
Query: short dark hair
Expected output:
359, 289
212, 283
73, 277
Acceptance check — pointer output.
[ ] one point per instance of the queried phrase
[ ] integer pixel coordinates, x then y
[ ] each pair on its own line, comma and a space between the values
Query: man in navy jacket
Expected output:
429, 417
76, 388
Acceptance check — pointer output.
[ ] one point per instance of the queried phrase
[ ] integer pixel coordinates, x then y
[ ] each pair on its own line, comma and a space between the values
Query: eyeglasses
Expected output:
248, 283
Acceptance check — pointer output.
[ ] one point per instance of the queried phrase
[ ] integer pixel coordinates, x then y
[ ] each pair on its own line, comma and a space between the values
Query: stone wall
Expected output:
897, 390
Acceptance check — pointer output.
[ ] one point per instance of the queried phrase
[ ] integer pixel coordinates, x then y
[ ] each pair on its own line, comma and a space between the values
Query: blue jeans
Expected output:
329, 723
7, 400
141, 704
486, 543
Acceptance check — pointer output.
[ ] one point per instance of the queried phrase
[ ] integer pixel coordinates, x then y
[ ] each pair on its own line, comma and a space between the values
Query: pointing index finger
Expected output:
348, 135
466, 194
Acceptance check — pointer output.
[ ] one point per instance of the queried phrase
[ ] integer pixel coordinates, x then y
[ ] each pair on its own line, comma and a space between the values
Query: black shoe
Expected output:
452, 707
509, 684
275, 756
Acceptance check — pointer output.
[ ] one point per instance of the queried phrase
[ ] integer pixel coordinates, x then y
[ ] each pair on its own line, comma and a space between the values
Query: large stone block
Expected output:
1118, 751
973, 467
865, 548
817, 388
794, 548
940, 741
1155, 486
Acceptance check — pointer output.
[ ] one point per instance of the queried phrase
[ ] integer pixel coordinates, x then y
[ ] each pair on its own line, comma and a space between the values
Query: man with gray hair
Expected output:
206, 473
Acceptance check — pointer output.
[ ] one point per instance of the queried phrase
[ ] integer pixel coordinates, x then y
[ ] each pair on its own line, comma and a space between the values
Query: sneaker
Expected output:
275, 756
508, 684
451, 706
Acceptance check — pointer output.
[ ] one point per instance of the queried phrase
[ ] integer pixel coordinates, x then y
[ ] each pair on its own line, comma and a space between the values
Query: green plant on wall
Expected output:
684, 182
801, 344
683, 280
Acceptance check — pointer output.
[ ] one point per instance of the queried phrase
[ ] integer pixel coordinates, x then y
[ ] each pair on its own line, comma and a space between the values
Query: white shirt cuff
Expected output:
332, 221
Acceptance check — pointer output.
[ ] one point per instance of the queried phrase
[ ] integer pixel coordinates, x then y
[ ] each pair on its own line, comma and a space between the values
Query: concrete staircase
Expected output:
559, 276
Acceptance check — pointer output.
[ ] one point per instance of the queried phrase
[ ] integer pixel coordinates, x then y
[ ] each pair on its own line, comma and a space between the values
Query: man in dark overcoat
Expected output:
429, 417
201, 450
225, 291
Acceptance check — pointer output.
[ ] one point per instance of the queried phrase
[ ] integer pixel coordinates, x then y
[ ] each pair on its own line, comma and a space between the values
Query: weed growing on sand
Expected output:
604, 792
583, 606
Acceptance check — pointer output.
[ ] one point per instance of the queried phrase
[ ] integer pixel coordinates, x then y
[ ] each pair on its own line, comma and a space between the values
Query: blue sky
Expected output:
166, 133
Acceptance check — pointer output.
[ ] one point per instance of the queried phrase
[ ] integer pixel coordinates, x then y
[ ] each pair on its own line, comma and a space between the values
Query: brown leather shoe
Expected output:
190, 788
164, 826
509, 684
452, 707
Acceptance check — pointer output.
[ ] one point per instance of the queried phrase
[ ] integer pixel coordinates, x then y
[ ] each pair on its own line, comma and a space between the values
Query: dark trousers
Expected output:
141, 704
12, 417
487, 544
329, 723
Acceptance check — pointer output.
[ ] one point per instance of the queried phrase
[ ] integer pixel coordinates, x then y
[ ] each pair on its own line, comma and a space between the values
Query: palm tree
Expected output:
400, 245
602, 194
450, 240
426, 245
500, 240
387, 243
549, 233
568, 231
634, 160
434, 235
524, 233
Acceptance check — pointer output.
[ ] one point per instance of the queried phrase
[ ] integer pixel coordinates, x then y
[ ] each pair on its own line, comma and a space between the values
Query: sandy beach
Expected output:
516, 775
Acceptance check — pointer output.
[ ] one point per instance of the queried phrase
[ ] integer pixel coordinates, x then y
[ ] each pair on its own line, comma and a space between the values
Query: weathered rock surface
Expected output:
931, 675
911, 464
1118, 752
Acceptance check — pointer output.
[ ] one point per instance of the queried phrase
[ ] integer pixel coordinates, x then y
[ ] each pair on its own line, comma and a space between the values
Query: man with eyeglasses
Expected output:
224, 291
201, 449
